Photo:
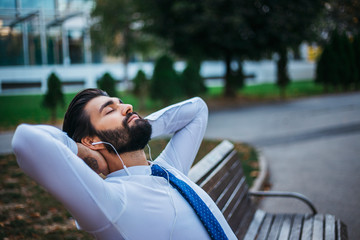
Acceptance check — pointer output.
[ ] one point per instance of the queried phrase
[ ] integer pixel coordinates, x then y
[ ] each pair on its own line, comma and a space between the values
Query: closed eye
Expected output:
109, 111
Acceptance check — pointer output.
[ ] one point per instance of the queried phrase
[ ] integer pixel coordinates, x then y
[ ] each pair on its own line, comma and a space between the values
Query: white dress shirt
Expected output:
135, 206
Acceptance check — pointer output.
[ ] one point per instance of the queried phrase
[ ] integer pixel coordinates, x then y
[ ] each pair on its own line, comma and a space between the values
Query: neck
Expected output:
135, 158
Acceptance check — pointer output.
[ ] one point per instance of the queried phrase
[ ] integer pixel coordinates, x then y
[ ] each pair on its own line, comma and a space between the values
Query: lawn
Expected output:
28, 108
29, 212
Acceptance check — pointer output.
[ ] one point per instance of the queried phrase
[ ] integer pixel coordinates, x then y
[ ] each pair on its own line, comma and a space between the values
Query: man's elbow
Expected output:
19, 142
203, 108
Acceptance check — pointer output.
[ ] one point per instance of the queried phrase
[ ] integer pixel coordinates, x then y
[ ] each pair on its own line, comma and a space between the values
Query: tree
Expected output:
232, 29
282, 74
212, 29
192, 82
337, 64
326, 73
108, 84
343, 15
356, 47
141, 88
117, 30
286, 24
54, 96
165, 84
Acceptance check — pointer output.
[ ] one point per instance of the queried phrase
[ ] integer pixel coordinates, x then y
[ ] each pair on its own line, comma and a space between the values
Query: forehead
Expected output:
95, 104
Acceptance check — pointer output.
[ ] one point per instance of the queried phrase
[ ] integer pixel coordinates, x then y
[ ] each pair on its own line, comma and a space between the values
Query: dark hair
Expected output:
76, 121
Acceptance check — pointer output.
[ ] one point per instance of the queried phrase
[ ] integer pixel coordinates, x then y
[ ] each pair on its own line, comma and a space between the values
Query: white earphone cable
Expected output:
125, 168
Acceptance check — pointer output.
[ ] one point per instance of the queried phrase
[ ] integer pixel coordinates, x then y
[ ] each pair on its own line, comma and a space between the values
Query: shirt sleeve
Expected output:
48, 156
187, 120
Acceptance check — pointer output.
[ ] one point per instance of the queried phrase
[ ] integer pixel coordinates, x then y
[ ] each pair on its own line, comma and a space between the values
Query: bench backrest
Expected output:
221, 175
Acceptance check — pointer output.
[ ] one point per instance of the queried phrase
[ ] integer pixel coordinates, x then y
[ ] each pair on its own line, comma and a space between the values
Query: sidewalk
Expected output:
312, 146
5, 142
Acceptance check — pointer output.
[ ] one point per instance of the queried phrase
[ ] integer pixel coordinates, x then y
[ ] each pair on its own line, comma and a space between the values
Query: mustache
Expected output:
128, 115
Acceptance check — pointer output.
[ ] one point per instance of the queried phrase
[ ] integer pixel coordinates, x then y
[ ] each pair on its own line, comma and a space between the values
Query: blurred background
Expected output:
234, 43
163, 51
282, 76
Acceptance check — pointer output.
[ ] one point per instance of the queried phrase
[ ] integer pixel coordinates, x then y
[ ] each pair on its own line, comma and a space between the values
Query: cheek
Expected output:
111, 121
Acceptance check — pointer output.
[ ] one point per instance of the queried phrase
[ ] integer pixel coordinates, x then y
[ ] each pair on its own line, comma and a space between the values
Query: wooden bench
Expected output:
220, 174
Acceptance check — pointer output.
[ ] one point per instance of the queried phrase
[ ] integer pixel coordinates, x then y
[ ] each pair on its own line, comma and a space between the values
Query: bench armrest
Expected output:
284, 194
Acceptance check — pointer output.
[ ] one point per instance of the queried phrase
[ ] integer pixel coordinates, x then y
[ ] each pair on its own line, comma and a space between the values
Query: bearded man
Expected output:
138, 199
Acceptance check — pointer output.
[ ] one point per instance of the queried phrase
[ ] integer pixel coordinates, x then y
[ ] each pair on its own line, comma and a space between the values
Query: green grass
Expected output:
29, 212
295, 89
28, 108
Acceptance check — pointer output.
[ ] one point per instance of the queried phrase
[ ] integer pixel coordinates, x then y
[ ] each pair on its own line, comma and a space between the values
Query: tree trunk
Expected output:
230, 89
126, 57
282, 92
282, 74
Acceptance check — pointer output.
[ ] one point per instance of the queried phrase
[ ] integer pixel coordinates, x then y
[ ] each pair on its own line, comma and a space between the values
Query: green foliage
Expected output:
356, 47
54, 96
326, 73
165, 83
282, 74
230, 29
337, 65
116, 30
237, 77
140, 84
192, 82
141, 88
108, 84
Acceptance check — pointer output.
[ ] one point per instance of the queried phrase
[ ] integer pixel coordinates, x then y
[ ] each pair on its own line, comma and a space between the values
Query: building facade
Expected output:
45, 32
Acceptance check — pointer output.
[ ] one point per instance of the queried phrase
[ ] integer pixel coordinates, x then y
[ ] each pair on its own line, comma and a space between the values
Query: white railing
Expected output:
81, 76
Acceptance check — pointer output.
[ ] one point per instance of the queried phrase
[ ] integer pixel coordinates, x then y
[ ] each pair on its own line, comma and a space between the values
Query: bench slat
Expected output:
341, 230
221, 175
276, 226
307, 228
296, 227
265, 227
236, 197
330, 227
245, 222
225, 181
200, 170
229, 189
243, 214
286, 227
318, 227
218, 172
255, 225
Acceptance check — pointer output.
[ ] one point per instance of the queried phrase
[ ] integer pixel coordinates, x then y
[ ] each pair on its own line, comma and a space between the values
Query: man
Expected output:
132, 202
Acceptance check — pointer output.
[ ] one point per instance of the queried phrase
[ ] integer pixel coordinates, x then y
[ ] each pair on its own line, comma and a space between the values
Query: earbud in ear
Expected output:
96, 143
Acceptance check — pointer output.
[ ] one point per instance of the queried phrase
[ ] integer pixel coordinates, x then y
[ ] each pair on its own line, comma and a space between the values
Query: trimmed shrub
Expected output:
165, 83
54, 95
108, 84
141, 88
337, 66
356, 49
192, 82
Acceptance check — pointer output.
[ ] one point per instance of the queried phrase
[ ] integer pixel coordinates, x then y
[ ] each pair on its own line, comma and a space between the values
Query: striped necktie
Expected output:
202, 211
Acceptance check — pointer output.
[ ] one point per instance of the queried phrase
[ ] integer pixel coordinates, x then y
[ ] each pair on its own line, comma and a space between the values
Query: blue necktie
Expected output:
202, 211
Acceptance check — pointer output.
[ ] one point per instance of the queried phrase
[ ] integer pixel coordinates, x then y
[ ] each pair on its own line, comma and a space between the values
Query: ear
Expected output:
88, 141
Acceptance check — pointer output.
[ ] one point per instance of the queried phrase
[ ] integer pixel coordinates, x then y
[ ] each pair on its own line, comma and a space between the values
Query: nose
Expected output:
126, 108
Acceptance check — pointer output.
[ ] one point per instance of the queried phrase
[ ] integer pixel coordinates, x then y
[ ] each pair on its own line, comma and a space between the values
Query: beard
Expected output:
127, 139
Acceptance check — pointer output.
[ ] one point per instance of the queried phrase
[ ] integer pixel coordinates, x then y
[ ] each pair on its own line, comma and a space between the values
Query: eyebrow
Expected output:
107, 104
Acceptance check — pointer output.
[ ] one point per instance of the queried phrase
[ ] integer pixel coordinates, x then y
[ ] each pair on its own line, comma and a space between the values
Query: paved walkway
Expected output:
312, 147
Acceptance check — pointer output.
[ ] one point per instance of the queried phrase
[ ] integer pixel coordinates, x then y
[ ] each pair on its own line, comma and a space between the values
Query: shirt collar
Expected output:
134, 170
